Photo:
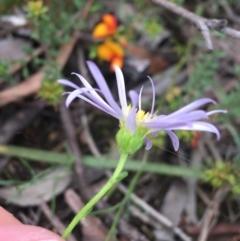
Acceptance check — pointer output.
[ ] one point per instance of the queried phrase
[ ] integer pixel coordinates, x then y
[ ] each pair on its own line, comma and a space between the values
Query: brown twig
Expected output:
204, 25
211, 212
72, 141
221, 229
55, 221
191, 201
92, 227
230, 14
155, 214
212, 148
14, 68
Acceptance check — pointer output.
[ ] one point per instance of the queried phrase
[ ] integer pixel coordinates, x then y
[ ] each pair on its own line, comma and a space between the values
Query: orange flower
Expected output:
106, 28
116, 61
108, 50
110, 20
111, 52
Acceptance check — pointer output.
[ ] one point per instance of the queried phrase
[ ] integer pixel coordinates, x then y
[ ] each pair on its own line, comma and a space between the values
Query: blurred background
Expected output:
53, 159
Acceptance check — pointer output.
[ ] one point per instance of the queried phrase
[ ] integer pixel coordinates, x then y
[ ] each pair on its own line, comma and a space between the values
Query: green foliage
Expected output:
230, 102
36, 9
203, 75
121, 176
92, 52
104, 162
51, 91
179, 48
152, 27
185, 136
7, 5
4, 68
158, 140
141, 5
173, 98
96, 6
178, 2
48, 20
224, 173
78, 4
191, 138
148, 15
4, 72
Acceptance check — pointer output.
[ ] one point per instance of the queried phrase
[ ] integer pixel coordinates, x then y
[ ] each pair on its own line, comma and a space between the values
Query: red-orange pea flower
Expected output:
107, 27
111, 52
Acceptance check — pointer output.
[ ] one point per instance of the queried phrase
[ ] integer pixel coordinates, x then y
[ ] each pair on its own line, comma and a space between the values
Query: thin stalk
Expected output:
126, 199
89, 206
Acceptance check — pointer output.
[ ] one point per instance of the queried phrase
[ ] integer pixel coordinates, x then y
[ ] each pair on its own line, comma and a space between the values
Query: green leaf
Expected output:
104, 162
121, 176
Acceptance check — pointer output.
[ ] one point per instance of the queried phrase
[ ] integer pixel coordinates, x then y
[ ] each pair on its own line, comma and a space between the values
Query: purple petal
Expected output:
216, 111
103, 86
155, 134
194, 116
139, 99
148, 143
131, 118
88, 86
102, 106
95, 97
161, 125
77, 93
153, 98
174, 138
67, 83
199, 126
187, 117
88, 93
72, 96
192, 106
121, 87
161, 116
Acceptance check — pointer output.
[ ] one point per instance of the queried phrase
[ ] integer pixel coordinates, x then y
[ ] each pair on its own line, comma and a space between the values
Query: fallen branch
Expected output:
204, 25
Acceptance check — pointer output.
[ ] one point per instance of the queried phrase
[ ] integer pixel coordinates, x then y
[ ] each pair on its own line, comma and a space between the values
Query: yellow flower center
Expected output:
35, 6
126, 110
141, 115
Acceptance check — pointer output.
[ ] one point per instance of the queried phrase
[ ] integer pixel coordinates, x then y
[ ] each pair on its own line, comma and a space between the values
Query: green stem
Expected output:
88, 207
126, 198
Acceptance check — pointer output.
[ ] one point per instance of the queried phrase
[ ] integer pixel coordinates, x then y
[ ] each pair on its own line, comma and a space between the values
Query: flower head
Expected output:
111, 52
36, 8
135, 124
107, 27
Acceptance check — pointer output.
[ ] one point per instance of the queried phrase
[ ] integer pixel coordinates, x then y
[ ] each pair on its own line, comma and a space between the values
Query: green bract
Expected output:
128, 142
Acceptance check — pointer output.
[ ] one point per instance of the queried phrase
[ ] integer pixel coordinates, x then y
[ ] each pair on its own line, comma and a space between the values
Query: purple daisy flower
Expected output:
132, 117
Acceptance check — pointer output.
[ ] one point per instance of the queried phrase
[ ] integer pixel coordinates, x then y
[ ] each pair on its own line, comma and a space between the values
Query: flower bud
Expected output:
130, 142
